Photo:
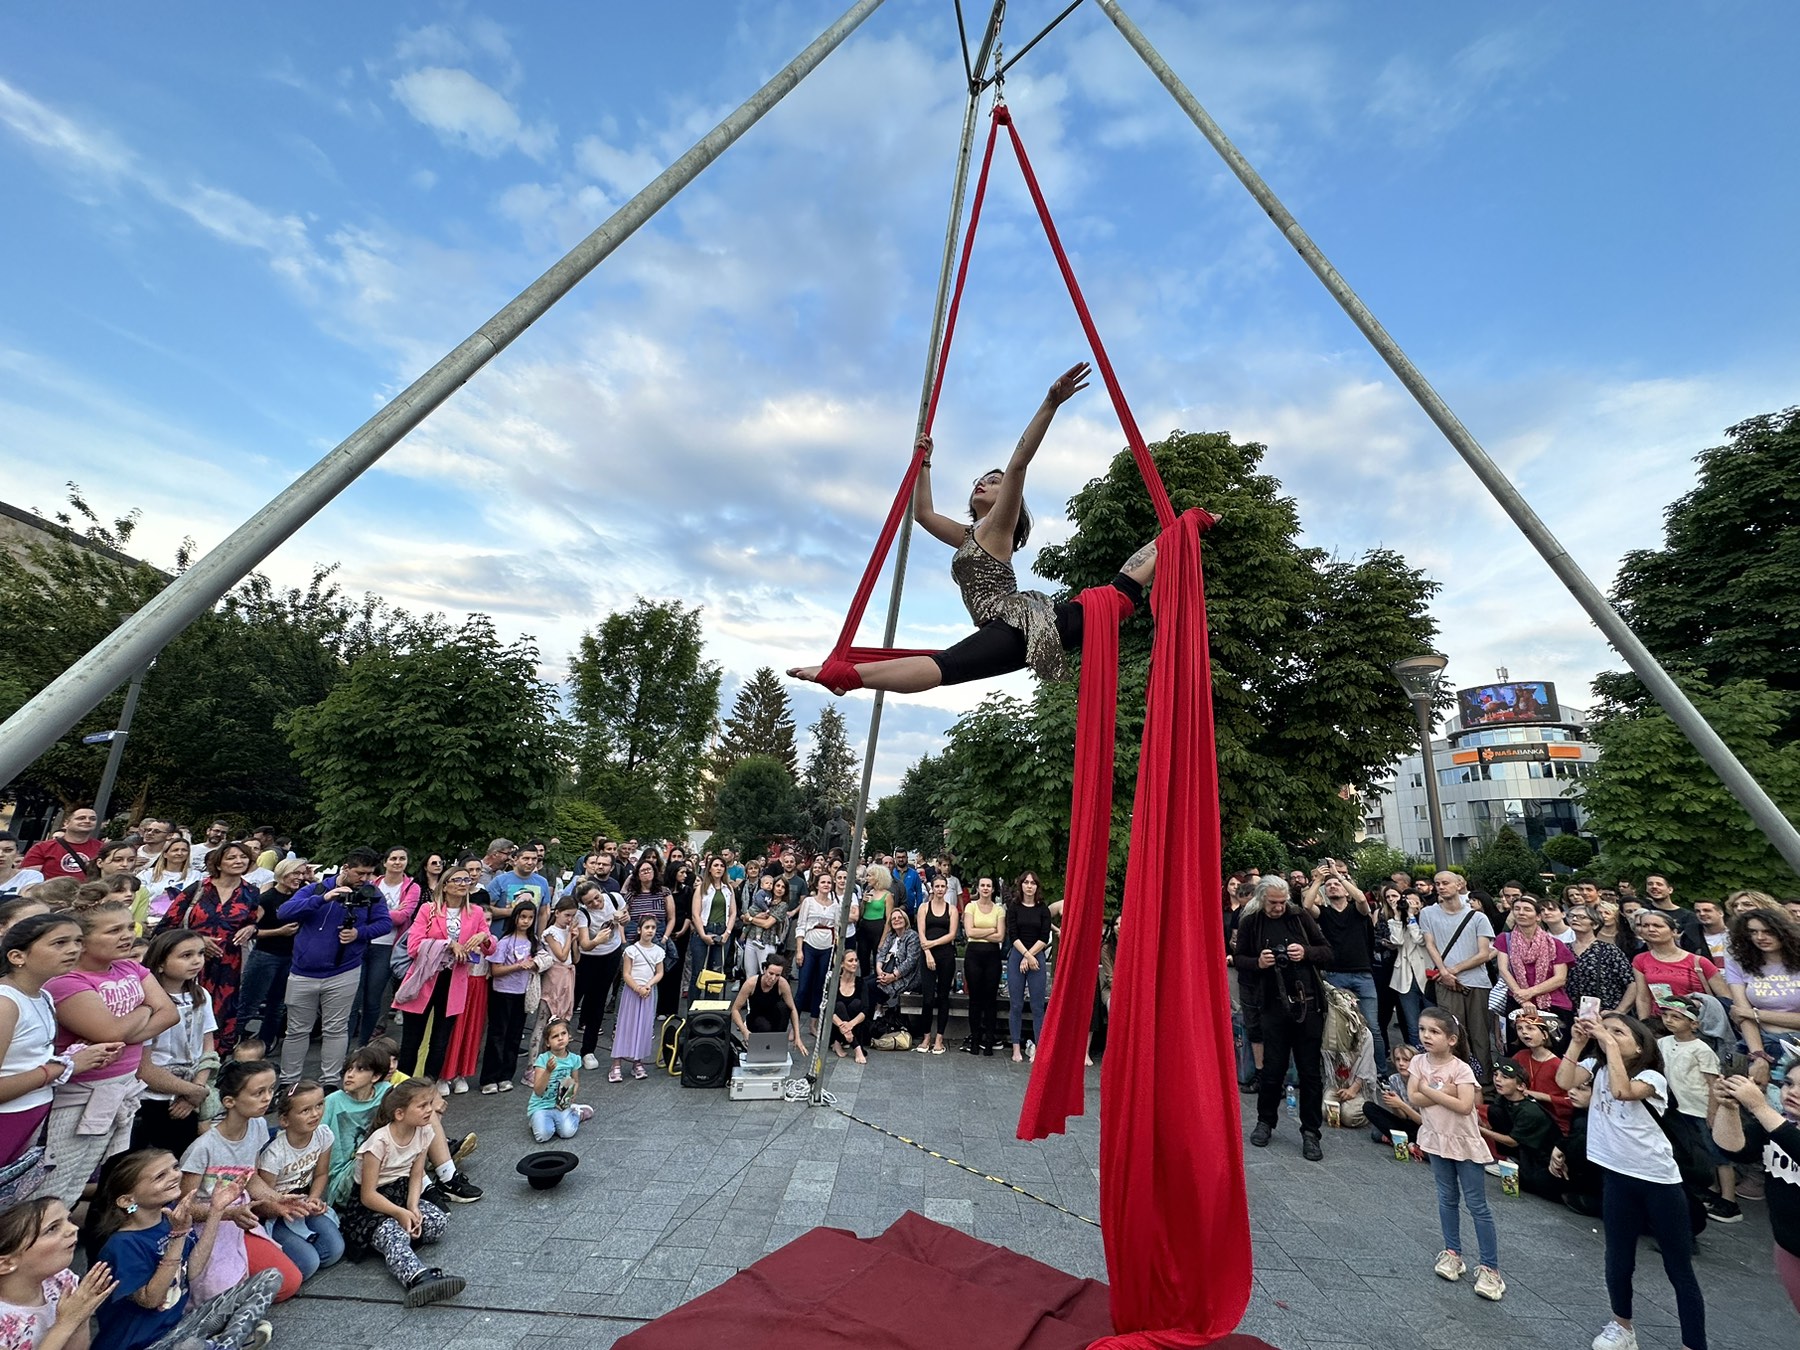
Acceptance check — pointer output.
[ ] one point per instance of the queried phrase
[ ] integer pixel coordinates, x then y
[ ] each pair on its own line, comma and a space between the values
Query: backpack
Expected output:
1344, 1024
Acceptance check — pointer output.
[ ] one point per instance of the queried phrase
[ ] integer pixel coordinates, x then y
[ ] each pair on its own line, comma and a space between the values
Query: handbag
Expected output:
21, 1178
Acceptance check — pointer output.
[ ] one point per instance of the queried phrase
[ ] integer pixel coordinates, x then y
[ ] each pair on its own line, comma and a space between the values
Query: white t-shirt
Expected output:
184, 1042
390, 891
595, 914
292, 1167
394, 1160
34, 1034
1623, 1136
1687, 1065
19, 880
24, 1328
641, 962
214, 1158
1718, 945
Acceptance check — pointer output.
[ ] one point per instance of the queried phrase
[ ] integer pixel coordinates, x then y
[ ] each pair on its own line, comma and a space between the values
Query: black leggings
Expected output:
595, 979
506, 1023
997, 648
412, 1031
936, 989
981, 967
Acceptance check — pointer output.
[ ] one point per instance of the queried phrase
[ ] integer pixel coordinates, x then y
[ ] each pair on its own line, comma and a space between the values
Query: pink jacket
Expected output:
431, 922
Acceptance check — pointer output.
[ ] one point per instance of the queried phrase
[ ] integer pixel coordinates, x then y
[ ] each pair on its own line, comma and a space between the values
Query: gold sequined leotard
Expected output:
990, 591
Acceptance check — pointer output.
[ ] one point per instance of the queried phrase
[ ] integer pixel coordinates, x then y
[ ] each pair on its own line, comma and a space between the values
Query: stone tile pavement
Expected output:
678, 1189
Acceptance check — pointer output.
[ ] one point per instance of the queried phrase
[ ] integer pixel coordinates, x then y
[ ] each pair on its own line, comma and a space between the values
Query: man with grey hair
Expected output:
1281, 945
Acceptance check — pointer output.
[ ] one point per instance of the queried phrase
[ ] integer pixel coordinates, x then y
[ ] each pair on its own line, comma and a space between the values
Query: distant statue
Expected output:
837, 833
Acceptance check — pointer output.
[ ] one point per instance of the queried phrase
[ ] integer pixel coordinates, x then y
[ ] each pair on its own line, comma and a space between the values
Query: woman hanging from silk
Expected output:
1015, 628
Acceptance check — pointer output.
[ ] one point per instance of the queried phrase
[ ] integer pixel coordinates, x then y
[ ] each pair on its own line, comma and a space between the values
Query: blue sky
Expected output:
233, 231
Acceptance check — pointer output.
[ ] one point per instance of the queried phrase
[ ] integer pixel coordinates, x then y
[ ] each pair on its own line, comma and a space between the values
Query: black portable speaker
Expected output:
705, 1060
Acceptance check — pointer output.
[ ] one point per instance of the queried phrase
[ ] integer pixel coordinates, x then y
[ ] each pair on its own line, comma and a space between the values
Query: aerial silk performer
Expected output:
1015, 628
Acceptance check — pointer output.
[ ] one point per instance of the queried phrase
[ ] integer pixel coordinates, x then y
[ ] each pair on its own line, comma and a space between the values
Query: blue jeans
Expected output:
1453, 1175
562, 1124
371, 993
1412, 1003
699, 954
1019, 983
262, 997
321, 1246
1362, 984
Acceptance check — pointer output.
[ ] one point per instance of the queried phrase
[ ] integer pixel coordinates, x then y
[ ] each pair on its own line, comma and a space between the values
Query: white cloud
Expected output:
465, 111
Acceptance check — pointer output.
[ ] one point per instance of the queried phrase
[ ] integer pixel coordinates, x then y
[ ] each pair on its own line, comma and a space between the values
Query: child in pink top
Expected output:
1443, 1086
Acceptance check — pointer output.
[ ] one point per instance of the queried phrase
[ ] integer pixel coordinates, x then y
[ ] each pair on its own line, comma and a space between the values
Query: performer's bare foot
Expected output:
812, 673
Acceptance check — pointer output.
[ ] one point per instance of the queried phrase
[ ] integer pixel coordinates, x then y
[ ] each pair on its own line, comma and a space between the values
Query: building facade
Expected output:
1522, 771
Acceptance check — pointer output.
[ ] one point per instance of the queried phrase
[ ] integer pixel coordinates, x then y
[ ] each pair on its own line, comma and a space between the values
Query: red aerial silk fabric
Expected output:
838, 670
1173, 1206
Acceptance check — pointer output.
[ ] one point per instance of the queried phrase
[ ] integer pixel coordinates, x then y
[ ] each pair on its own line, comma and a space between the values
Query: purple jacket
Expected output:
318, 954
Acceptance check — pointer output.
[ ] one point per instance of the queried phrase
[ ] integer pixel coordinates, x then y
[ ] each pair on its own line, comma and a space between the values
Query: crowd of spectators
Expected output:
1630, 1057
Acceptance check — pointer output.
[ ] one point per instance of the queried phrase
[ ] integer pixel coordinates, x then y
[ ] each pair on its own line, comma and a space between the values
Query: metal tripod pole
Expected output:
1775, 827
115, 752
78, 690
952, 234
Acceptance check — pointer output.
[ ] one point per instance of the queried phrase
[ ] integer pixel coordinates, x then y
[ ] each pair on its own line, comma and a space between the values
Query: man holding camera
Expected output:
1282, 946
1343, 914
337, 917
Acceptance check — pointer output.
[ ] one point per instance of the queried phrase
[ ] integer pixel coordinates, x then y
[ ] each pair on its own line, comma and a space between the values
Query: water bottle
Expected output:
1293, 1101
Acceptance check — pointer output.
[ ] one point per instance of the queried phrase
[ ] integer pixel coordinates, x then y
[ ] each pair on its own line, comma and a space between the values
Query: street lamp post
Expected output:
1419, 676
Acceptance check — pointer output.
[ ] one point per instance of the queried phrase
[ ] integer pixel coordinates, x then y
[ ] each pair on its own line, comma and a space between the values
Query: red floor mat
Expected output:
918, 1286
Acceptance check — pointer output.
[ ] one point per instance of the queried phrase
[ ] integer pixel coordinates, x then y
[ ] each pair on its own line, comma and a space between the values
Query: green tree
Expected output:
1373, 862
1259, 849
757, 803
577, 822
1716, 601
644, 702
1304, 705
1506, 857
438, 737
207, 737
909, 818
1657, 808
1569, 850
830, 777
761, 723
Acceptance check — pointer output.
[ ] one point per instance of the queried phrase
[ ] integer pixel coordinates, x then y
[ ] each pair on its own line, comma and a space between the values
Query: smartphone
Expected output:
1590, 1006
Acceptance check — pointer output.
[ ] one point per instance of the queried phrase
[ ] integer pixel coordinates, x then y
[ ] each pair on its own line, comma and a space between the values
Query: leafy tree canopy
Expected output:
206, 739
1505, 857
1658, 808
644, 702
1720, 600
757, 803
909, 819
438, 737
1569, 850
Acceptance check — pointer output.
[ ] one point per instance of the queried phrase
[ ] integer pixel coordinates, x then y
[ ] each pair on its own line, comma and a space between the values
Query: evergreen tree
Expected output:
761, 723
830, 777
1506, 857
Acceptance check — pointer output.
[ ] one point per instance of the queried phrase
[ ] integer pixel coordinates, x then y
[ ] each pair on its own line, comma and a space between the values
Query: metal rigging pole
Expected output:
1766, 815
952, 233
37, 726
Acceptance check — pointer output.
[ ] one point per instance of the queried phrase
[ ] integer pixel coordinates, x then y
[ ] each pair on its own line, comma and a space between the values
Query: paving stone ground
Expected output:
678, 1189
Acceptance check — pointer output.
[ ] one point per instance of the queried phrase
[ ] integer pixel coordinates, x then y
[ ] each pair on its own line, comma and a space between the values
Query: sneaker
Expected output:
506, 1085
1450, 1266
1488, 1284
1031, 1050
1615, 1337
260, 1335
1720, 1210
1492, 1169
584, 1112
460, 1190
431, 1285
489, 1089
637, 1071
1260, 1136
616, 1076
1309, 1147
443, 1087
590, 1061
463, 1147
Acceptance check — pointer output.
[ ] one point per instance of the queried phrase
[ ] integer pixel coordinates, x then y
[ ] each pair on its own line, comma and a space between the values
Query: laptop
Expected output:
765, 1048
